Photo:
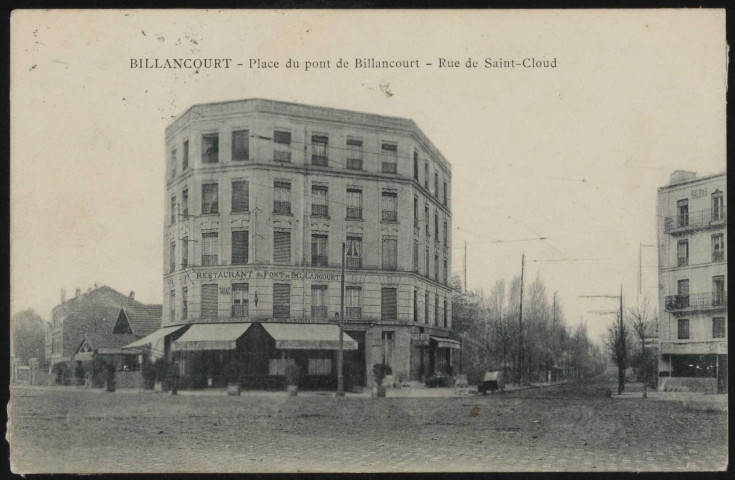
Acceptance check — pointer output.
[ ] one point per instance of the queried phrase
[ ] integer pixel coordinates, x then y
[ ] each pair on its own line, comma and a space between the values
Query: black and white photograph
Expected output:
365, 241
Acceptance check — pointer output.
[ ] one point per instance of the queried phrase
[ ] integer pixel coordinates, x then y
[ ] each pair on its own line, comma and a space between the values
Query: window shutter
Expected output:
240, 247
240, 196
281, 300
388, 306
209, 302
282, 248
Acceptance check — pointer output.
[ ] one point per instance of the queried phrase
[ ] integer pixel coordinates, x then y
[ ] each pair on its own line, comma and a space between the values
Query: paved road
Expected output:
567, 427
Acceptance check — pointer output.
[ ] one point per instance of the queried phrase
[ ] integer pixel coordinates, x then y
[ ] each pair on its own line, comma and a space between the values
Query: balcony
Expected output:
281, 311
389, 167
319, 261
209, 260
354, 164
696, 302
353, 262
354, 213
718, 256
390, 216
240, 311
282, 156
390, 265
353, 312
319, 160
682, 261
695, 220
319, 210
282, 207
318, 312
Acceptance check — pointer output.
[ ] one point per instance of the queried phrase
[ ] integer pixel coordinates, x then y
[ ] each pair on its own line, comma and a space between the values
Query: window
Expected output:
282, 248
718, 291
185, 202
426, 262
240, 196
354, 203
173, 162
388, 308
436, 184
682, 209
185, 159
683, 325
353, 302
717, 206
353, 258
426, 308
436, 310
436, 226
426, 175
319, 150
282, 146
210, 198
172, 258
446, 274
319, 301
173, 210
682, 252
390, 253
446, 235
240, 243
277, 366
389, 153
319, 203
445, 193
436, 267
319, 251
426, 217
388, 347
718, 327
210, 148
446, 316
415, 165
281, 300
415, 256
172, 305
240, 300
390, 206
240, 145
320, 366
682, 290
282, 197
210, 248
415, 305
185, 252
185, 303
718, 247
209, 302
415, 211
354, 154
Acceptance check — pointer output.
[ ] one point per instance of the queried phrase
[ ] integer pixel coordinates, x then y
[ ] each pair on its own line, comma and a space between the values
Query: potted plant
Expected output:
161, 377
233, 371
149, 376
173, 378
293, 374
380, 370
79, 374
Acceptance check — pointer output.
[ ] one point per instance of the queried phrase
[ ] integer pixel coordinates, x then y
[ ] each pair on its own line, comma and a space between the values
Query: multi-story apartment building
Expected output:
692, 235
262, 195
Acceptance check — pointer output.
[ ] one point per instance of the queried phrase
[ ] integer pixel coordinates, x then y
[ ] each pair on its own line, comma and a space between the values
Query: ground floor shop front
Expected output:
693, 372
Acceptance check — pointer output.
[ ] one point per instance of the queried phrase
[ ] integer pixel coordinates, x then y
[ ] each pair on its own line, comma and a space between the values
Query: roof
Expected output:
104, 340
154, 337
143, 319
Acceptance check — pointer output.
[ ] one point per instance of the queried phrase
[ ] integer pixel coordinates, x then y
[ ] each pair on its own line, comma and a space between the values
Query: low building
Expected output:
692, 238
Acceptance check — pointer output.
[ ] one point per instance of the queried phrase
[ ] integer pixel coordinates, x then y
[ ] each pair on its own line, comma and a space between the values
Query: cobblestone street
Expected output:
567, 427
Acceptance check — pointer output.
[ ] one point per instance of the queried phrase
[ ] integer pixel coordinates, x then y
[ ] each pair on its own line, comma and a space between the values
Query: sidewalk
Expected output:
690, 400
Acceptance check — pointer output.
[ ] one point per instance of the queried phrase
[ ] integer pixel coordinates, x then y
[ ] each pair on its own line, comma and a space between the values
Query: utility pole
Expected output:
340, 357
520, 327
465, 266
621, 371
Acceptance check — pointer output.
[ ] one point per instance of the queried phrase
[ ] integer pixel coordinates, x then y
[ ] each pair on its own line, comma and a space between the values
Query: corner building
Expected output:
260, 197
692, 236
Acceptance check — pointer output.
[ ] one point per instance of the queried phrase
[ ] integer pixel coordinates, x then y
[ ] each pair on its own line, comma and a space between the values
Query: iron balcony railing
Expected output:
283, 156
390, 215
718, 256
390, 265
354, 163
353, 312
281, 207
319, 210
390, 167
682, 261
694, 220
353, 262
318, 311
319, 160
354, 212
696, 301
319, 261
240, 311
209, 260
281, 311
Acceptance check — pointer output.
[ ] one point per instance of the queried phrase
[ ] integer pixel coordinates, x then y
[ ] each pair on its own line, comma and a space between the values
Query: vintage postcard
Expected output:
368, 241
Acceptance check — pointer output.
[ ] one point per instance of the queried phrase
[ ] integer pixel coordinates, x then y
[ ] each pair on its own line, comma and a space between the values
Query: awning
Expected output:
305, 336
445, 342
211, 336
153, 337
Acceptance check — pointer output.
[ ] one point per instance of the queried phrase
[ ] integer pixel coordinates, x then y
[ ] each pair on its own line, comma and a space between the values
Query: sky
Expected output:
574, 154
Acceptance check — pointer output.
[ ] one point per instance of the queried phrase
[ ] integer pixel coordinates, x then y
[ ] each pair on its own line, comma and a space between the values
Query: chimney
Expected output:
77, 292
63, 295
132, 295
680, 176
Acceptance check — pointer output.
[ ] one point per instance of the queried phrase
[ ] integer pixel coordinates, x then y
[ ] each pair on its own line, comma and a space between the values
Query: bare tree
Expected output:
28, 336
641, 318
618, 342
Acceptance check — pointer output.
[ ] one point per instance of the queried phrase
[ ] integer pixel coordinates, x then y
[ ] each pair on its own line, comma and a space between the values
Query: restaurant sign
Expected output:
257, 275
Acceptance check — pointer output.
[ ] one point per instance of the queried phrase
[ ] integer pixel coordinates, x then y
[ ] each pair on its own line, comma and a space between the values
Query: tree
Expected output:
28, 336
642, 319
618, 342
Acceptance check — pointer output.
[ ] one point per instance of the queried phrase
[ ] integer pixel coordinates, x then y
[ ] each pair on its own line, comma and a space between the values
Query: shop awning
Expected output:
445, 342
153, 337
305, 336
211, 336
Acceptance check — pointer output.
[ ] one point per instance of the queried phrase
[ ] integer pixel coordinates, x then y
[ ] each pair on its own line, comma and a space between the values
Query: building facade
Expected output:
262, 195
692, 236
